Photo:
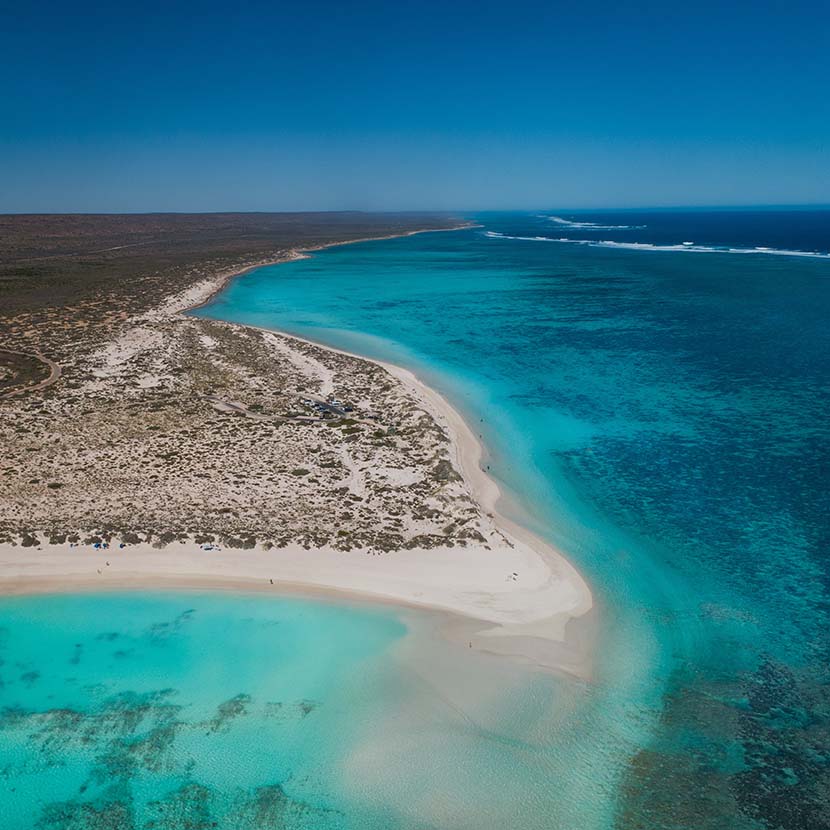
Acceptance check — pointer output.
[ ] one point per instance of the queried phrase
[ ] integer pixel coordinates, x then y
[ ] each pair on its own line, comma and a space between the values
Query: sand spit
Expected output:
207, 454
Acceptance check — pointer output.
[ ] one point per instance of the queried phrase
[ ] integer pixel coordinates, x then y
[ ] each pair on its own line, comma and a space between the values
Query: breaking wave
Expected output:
649, 246
590, 226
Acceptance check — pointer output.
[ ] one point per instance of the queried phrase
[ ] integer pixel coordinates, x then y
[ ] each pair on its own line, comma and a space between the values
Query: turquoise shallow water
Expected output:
154, 711
173, 711
659, 414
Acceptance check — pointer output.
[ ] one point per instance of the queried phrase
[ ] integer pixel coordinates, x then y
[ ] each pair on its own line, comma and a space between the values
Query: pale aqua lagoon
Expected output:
179, 711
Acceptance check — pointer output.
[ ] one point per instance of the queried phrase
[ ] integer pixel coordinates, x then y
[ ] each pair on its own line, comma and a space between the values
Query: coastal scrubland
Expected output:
159, 427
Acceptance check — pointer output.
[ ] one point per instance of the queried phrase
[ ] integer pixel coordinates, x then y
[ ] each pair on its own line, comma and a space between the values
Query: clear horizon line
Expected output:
429, 211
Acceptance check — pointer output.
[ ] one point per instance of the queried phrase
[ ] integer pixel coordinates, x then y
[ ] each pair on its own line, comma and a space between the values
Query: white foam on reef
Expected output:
650, 246
591, 226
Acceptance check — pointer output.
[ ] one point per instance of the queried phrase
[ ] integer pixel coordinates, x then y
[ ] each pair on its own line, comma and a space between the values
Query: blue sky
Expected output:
456, 105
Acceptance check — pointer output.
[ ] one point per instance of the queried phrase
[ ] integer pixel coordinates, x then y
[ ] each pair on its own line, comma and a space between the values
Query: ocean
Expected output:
651, 388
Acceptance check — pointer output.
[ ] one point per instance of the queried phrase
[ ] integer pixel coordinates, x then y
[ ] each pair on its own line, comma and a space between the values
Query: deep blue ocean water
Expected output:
661, 415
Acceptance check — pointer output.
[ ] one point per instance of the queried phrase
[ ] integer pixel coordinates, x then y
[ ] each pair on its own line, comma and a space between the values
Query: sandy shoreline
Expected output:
519, 596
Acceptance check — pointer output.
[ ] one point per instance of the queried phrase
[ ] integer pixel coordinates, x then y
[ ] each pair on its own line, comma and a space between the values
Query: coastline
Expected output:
522, 599
304, 253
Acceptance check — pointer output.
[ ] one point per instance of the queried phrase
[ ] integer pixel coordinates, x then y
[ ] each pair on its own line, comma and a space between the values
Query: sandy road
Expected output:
54, 374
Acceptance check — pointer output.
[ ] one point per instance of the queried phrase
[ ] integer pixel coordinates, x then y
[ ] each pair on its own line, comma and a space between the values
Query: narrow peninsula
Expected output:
144, 447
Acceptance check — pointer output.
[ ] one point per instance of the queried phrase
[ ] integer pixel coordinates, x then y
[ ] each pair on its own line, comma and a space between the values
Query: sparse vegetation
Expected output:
134, 443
